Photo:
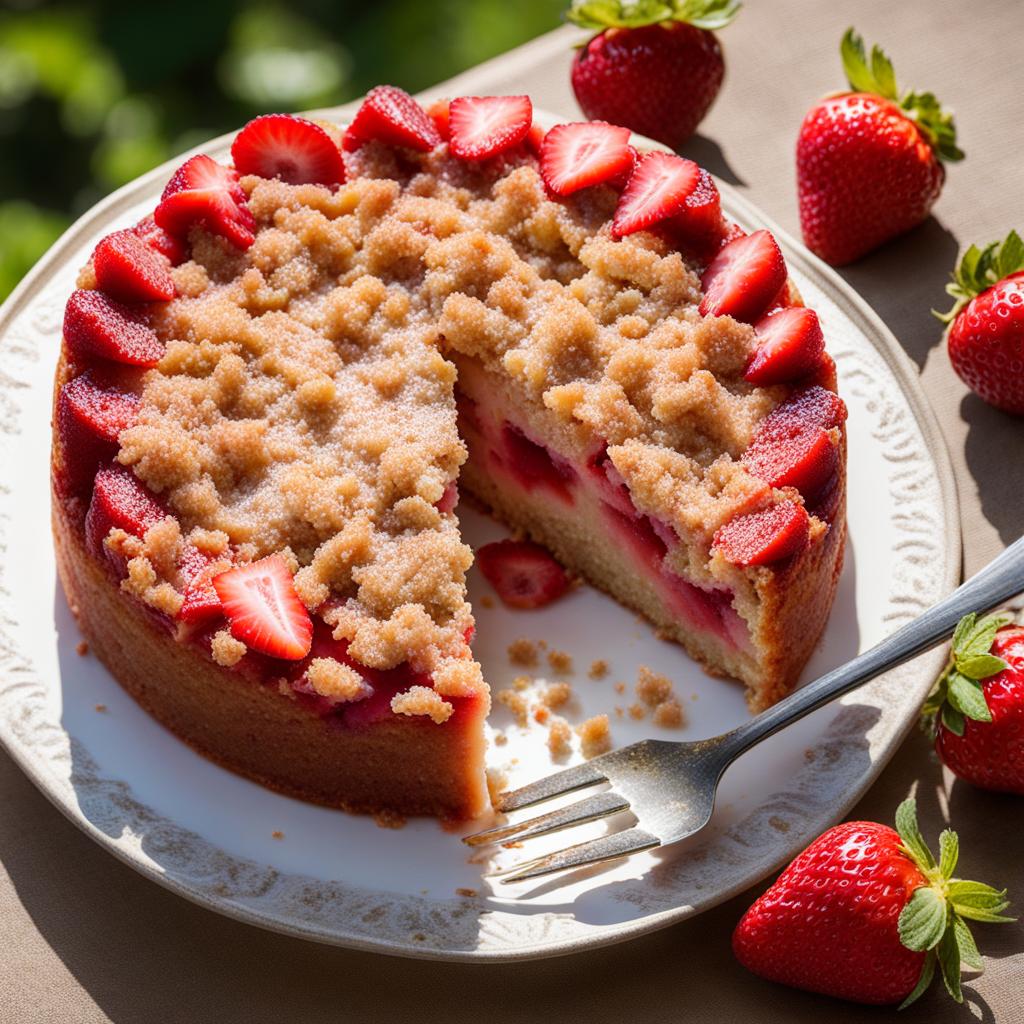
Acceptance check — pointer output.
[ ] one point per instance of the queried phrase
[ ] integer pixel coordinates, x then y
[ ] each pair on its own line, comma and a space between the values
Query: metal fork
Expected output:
670, 787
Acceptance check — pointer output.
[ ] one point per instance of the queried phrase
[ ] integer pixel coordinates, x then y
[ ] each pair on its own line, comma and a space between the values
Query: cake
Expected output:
272, 392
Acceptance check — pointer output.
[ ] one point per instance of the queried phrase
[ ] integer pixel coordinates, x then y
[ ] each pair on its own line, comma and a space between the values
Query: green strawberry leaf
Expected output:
979, 269
602, 14
978, 639
927, 973
922, 921
967, 697
949, 963
855, 63
980, 666
949, 852
953, 720
913, 842
969, 954
977, 901
966, 624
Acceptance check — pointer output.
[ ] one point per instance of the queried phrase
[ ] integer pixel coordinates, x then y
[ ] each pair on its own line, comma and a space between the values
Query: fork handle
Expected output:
1000, 580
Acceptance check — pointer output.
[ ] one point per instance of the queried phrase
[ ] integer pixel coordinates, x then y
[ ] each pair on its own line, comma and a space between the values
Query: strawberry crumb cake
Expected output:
272, 389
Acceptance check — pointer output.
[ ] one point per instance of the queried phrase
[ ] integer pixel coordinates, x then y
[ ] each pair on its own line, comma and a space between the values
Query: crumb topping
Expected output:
522, 652
559, 737
422, 700
652, 688
595, 736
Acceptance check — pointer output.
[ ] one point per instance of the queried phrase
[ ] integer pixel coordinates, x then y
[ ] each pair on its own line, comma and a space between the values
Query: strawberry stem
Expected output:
878, 77
979, 269
934, 919
602, 14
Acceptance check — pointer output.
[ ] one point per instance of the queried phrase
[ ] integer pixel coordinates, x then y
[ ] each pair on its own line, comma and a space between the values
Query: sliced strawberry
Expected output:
535, 138
523, 574
743, 278
657, 191
264, 611
812, 406
438, 112
201, 602
761, 538
91, 413
449, 499
205, 194
130, 271
699, 226
789, 346
483, 126
156, 238
120, 499
97, 327
392, 116
290, 148
574, 156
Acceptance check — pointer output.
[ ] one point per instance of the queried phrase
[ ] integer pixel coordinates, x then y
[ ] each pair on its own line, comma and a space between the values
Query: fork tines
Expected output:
595, 851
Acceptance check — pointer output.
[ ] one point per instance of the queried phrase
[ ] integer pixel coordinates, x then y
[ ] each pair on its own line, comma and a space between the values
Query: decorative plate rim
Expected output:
883, 343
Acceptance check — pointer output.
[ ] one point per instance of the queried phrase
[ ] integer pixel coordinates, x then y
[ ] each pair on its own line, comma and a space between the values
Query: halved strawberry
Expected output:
535, 138
91, 413
392, 116
761, 538
743, 278
438, 112
810, 406
449, 499
120, 499
290, 148
156, 238
263, 609
97, 327
657, 190
700, 226
201, 603
129, 270
483, 126
789, 346
523, 574
574, 156
203, 193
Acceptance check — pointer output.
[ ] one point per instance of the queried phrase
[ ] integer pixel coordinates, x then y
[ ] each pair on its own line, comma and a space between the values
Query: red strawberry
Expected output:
483, 126
789, 346
761, 538
655, 68
91, 413
156, 238
793, 447
574, 156
535, 138
393, 117
121, 500
439, 112
700, 227
205, 194
130, 271
657, 190
743, 278
976, 710
201, 603
868, 161
523, 574
263, 609
449, 499
290, 148
866, 914
96, 327
986, 325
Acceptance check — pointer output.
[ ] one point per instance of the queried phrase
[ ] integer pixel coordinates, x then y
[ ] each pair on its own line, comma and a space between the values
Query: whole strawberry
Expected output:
986, 325
866, 914
868, 162
655, 66
976, 710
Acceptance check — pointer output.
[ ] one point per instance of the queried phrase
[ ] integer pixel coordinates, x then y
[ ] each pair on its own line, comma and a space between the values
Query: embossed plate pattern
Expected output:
334, 878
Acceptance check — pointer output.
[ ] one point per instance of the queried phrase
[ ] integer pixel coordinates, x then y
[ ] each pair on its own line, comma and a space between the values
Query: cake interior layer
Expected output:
584, 515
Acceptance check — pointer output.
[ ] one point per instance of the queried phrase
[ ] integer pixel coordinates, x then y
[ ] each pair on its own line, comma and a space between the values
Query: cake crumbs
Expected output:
226, 650
559, 737
619, 712
487, 601
101, 708
556, 695
521, 683
598, 669
516, 703
81, 648
523, 652
669, 714
541, 713
637, 711
620, 687
500, 739
561, 662
497, 782
389, 819
277, 834
595, 736
652, 687
468, 893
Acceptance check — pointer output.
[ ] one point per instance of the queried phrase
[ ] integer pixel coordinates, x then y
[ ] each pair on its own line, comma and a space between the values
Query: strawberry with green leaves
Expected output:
985, 339
866, 913
654, 66
869, 160
976, 711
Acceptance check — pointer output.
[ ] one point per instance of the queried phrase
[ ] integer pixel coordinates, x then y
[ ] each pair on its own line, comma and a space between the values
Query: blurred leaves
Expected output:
92, 94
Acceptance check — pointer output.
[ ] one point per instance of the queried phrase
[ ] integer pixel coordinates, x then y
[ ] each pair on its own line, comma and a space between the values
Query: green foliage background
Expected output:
94, 94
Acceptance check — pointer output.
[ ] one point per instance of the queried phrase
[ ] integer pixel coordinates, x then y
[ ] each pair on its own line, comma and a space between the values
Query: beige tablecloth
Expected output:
83, 938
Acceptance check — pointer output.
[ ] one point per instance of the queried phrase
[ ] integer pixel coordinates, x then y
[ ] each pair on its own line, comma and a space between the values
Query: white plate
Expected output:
208, 834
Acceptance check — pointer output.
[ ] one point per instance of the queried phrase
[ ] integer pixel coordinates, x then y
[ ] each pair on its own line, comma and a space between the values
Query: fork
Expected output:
670, 787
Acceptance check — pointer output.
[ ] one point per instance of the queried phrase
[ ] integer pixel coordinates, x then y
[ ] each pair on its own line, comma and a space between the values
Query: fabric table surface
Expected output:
85, 939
